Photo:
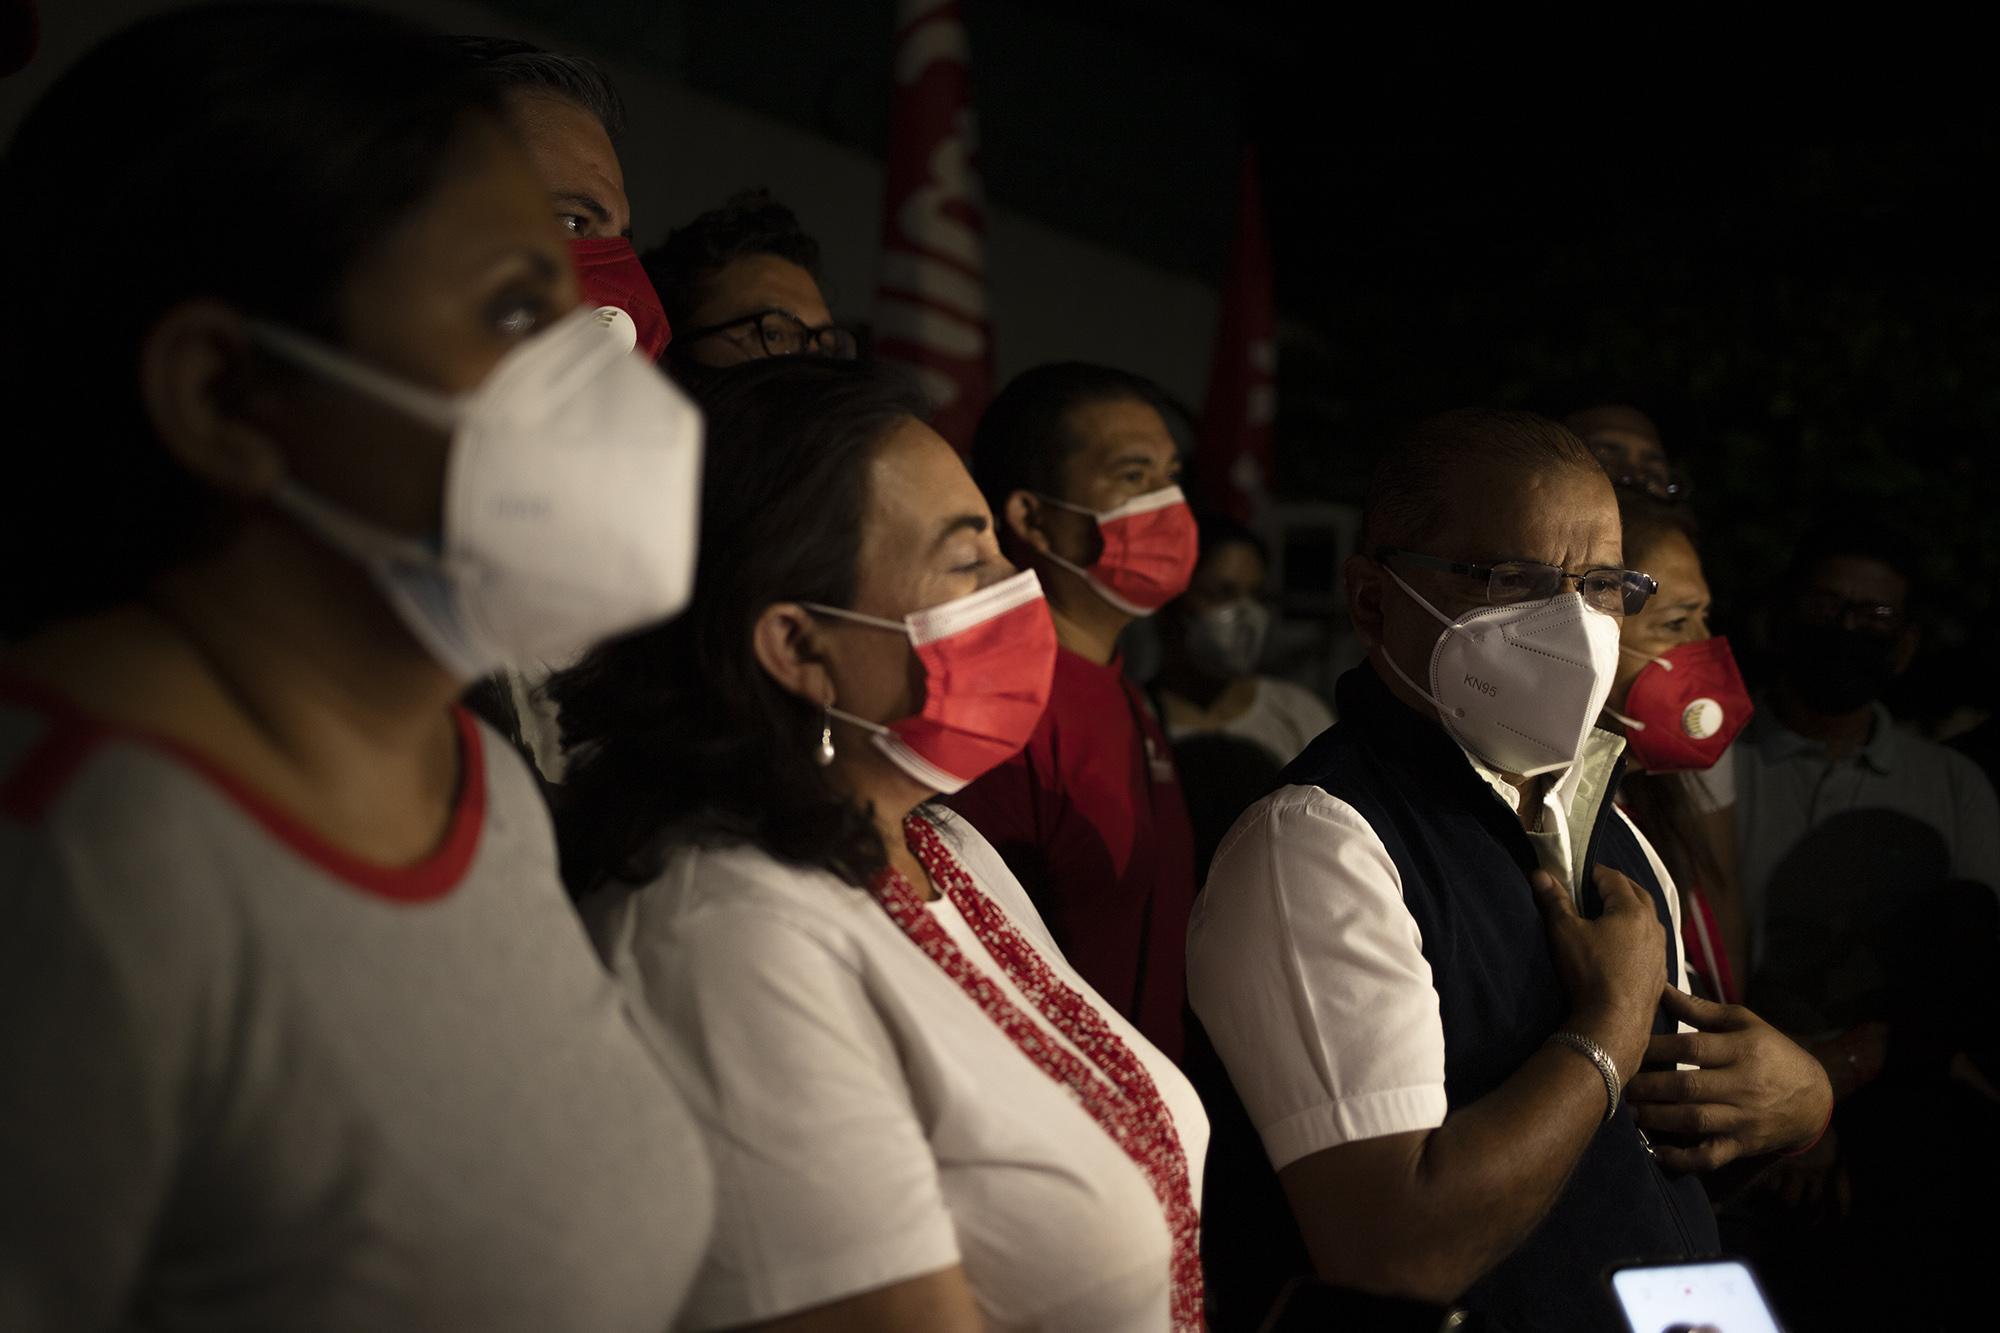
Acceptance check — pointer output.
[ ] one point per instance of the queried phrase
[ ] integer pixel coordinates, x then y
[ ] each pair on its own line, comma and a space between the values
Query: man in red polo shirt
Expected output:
1080, 471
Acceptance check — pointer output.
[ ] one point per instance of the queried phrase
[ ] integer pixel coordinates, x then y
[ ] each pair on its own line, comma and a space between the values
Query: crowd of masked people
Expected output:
536, 793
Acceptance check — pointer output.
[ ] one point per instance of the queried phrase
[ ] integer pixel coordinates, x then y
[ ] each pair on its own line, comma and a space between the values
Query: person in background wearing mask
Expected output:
1871, 860
1824, 745
1232, 729
741, 282
1433, 963
569, 117
1679, 700
297, 1028
1081, 474
1213, 640
923, 1118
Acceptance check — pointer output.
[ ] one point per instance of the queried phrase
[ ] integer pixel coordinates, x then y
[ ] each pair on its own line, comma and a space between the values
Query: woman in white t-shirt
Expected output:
920, 1115
298, 1031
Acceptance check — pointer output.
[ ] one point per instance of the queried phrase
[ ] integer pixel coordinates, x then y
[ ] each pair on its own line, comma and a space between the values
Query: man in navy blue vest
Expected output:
1435, 959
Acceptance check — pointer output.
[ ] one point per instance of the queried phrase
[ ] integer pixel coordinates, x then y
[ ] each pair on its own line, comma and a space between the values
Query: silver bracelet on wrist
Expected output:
1598, 1056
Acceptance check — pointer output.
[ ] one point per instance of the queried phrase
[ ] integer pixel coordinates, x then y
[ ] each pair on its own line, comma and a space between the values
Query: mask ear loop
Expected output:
1633, 723
873, 622
437, 410
1071, 565
1449, 624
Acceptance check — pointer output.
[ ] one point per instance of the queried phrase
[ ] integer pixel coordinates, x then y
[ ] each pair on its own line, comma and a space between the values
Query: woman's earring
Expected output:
823, 754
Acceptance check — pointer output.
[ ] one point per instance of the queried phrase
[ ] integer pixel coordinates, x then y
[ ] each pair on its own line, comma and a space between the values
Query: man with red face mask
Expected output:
1080, 472
568, 116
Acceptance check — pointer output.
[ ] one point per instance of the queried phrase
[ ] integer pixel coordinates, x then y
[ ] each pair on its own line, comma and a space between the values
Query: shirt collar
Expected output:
1880, 751
1591, 773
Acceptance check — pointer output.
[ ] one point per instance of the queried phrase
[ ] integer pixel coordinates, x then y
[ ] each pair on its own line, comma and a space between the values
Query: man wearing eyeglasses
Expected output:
1825, 746
1629, 449
740, 283
1434, 961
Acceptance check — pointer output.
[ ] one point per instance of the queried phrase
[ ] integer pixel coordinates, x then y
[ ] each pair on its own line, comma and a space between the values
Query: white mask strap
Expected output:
425, 405
1629, 723
1063, 504
1436, 702
1420, 599
861, 722
1661, 662
873, 622
1138, 504
357, 536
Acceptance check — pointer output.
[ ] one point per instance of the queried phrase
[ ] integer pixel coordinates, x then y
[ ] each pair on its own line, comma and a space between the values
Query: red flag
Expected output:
930, 307
1233, 462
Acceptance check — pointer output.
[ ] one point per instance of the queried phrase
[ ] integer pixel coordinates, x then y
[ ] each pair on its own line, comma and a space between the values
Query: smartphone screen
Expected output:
1716, 1297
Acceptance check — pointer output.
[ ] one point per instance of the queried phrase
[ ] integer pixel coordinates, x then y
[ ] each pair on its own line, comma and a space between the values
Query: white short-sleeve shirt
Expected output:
869, 1123
1308, 971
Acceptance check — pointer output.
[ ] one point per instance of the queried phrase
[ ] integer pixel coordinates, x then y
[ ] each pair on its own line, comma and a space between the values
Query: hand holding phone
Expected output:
1714, 1296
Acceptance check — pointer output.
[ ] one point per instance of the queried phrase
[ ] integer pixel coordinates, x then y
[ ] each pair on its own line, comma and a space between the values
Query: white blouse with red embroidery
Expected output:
870, 1120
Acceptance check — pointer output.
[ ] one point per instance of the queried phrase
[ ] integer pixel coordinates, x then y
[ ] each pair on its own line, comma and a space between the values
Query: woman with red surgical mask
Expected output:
922, 1116
1680, 701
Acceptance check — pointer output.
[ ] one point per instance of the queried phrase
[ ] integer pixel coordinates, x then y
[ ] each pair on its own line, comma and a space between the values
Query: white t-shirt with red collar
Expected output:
248, 1082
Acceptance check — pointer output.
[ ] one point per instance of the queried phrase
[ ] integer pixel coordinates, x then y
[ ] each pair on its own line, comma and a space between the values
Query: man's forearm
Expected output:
1425, 1214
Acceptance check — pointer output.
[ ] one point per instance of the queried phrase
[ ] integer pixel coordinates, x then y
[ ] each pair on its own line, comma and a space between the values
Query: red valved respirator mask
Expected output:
1685, 706
613, 281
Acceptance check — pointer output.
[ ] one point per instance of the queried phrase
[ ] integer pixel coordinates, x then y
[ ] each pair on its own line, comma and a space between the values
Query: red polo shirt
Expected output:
1091, 820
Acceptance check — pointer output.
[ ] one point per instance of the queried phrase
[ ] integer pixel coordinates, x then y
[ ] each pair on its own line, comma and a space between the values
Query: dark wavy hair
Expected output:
678, 734
329, 124
749, 222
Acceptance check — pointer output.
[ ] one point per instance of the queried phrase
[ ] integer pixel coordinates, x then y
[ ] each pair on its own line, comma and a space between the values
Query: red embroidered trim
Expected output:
1118, 1093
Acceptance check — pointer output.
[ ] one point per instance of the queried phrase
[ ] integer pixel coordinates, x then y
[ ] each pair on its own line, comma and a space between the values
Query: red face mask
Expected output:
1150, 547
613, 280
1685, 707
989, 660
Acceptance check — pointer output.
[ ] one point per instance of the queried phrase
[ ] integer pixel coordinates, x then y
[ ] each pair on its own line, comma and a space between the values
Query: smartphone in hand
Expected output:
1711, 1296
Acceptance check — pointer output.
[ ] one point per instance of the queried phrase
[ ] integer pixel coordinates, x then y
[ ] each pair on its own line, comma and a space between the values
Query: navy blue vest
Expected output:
1464, 862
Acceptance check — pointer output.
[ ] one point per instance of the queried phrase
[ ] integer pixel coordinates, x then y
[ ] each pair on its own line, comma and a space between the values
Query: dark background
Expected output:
1779, 242
1783, 249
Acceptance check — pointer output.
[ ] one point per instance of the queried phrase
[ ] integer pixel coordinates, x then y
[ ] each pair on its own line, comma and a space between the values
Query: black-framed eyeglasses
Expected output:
1818, 607
1616, 592
781, 333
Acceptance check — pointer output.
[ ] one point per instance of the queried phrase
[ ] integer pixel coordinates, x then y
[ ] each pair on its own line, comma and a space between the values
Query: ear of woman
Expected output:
195, 375
787, 644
